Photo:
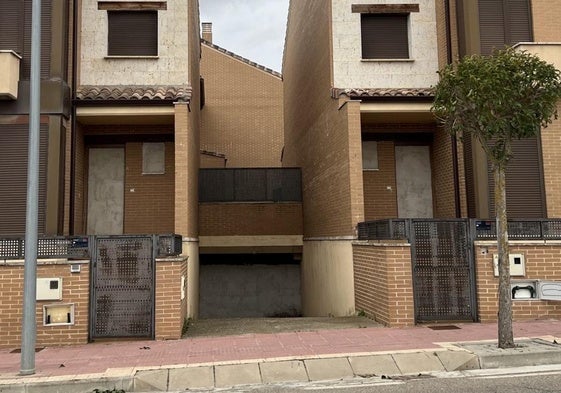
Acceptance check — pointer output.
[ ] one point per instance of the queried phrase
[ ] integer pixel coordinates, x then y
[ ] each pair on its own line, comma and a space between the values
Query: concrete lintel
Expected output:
395, 107
251, 241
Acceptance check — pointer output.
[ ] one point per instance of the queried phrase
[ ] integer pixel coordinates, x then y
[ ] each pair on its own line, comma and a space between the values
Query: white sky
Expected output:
253, 29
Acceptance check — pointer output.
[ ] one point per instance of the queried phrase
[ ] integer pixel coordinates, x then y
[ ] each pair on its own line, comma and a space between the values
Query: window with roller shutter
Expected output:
385, 36
11, 25
504, 22
132, 33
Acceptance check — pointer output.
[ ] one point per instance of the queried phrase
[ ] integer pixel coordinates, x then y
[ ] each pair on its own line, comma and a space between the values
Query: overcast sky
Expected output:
253, 29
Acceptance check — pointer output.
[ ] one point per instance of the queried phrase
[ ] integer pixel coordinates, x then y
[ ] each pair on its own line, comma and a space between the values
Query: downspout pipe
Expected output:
454, 143
73, 137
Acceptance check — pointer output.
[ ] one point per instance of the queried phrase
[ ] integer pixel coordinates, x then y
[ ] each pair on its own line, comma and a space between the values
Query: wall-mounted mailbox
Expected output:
524, 290
58, 314
549, 290
517, 265
49, 288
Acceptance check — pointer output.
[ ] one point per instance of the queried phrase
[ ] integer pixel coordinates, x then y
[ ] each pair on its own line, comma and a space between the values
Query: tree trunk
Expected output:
506, 339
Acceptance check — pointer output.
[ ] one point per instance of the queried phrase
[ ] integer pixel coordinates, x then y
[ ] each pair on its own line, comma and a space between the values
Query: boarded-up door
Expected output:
413, 178
106, 185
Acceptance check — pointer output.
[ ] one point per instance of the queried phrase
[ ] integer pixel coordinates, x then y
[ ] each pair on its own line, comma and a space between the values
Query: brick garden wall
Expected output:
75, 289
543, 262
383, 282
171, 310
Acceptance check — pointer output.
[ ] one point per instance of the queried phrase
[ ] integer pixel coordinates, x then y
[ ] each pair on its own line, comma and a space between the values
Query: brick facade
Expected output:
546, 15
242, 117
149, 199
261, 219
380, 201
75, 289
551, 149
383, 282
443, 175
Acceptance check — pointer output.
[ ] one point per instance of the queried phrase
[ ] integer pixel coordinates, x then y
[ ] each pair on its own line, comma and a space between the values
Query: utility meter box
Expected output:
49, 288
517, 265
524, 290
549, 290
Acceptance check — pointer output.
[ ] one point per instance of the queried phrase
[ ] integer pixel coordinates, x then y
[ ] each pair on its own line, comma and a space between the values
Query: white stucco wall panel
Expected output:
350, 71
170, 68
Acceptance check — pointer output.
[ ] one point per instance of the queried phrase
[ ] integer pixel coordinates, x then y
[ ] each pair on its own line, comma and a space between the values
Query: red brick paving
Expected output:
97, 357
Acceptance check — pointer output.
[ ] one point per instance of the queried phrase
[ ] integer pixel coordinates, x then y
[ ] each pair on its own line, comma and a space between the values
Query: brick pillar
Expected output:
181, 168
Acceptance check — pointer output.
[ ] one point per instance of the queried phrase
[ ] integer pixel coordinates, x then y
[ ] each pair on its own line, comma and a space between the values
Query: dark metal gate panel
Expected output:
443, 270
123, 290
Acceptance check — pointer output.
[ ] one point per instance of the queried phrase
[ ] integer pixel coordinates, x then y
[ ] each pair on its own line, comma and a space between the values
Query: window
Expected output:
369, 155
384, 36
503, 22
132, 33
385, 29
153, 158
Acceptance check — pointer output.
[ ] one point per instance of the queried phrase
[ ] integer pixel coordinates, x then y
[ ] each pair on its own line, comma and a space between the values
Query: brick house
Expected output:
358, 123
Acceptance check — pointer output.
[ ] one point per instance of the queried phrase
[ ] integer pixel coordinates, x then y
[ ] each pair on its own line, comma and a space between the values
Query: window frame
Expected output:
117, 47
384, 13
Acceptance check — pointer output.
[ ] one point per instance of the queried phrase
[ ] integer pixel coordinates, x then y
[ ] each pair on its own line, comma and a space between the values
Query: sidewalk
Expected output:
259, 358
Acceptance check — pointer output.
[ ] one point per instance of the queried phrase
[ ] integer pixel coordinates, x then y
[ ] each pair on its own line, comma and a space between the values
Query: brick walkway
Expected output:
98, 357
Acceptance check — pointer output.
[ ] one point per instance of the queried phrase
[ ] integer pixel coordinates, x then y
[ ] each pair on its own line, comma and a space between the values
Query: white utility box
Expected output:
58, 314
549, 290
517, 265
49, 288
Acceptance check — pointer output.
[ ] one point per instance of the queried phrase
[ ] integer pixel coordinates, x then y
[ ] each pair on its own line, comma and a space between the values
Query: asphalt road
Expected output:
544, 380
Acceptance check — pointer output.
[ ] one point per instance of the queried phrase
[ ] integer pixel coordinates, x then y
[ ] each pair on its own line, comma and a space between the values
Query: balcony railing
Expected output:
250, 185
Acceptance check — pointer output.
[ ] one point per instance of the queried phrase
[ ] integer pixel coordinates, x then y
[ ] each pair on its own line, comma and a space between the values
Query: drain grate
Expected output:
18, 350
444, 327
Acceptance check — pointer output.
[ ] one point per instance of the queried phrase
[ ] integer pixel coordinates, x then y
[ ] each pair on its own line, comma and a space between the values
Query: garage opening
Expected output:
249, 286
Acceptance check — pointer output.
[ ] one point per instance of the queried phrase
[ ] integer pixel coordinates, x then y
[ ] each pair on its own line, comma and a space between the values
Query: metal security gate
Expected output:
443, 270
122, 287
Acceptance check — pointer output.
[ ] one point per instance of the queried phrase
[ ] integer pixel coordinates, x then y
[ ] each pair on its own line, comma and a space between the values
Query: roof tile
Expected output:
134, 93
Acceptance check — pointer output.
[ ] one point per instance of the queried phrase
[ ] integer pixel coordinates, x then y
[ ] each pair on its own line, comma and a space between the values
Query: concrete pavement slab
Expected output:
284, 371
526, 353
191, 378
373, 365
236, 374
458, 360
151, 380
419, 362
324, 369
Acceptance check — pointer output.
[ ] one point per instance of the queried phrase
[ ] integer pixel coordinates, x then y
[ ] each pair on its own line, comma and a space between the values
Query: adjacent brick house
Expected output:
358, 122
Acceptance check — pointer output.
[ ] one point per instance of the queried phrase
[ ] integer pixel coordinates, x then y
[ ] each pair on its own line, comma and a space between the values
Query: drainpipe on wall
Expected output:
74, 122
453, 140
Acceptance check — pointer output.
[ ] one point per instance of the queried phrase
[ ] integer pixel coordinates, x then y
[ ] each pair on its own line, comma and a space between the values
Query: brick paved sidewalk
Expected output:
98, 357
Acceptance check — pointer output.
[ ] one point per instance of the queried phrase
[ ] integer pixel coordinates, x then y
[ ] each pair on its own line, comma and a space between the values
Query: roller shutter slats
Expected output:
133, 33
503, 22
13, 177
384, 36
11, 25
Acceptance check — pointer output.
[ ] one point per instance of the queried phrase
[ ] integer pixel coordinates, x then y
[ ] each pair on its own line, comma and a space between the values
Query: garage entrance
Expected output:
249, 285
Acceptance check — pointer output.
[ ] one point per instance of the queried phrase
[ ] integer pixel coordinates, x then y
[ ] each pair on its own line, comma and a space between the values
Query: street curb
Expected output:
452, 357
